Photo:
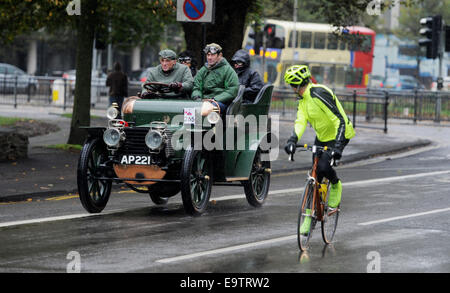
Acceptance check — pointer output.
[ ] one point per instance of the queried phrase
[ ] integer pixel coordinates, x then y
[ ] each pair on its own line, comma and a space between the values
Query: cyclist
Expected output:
320, 107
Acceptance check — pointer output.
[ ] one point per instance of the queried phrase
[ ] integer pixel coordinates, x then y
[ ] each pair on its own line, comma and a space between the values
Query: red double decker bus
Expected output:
344, 61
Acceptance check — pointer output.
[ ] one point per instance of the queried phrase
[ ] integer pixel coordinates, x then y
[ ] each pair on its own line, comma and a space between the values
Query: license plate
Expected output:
135, 160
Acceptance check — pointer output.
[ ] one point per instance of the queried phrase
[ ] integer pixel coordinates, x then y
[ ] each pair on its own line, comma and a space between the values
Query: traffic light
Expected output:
431, 31
258, 42
269, 31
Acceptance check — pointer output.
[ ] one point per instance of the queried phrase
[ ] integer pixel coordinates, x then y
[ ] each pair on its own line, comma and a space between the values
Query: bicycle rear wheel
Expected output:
329, 221
306, 220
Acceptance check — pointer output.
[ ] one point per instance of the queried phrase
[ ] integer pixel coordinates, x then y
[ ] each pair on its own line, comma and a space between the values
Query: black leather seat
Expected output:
235, 106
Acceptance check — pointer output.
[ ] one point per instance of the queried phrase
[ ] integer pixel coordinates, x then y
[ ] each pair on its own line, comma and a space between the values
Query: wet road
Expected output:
395, 215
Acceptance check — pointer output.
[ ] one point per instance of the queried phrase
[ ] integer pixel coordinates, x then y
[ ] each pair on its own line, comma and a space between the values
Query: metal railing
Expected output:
373, 105
363, 105
52, 91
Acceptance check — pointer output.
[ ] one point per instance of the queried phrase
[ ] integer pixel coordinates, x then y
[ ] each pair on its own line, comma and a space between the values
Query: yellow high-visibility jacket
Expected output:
320, 107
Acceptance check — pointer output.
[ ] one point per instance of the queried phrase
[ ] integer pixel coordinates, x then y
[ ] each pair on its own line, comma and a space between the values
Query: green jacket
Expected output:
321, 108
219, 82
180, 73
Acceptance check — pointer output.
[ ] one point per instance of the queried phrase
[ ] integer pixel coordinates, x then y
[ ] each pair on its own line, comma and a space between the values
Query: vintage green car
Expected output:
165, 145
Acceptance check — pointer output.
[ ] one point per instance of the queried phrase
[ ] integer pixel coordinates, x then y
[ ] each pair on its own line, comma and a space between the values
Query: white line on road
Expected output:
53, 219
230, 197
291, 237
395, 178
404, 217
227, 249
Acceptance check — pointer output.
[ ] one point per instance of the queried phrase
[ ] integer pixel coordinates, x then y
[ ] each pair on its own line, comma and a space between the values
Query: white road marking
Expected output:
395, 178
404, 217
53, 219
227, 249
280, 192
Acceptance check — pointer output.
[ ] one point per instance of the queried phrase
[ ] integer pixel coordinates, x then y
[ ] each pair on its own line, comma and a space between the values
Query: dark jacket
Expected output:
117, 82
247, 76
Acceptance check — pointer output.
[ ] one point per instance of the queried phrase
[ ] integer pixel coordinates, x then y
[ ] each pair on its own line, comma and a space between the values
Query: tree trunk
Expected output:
227, 31
82, 103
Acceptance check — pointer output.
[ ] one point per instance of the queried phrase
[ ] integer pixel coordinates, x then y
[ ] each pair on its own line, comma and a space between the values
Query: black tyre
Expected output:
257, 187
196, 180
94, 193
329, 221
306, 214
160, 192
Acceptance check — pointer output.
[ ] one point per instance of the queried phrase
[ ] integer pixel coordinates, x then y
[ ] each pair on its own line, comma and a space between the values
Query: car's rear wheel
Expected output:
196, 180
94, 193
257, 187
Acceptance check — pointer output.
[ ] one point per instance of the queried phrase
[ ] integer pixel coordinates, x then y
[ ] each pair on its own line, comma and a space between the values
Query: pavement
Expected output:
51, 172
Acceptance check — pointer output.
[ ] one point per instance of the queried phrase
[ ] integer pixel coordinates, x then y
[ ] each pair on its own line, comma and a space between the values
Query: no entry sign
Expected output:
195, 10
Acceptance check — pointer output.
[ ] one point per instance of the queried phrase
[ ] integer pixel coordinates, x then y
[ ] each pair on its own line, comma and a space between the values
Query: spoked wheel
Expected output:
329, 221
196, 180
257, 187
94, 193
160, 192
306, 219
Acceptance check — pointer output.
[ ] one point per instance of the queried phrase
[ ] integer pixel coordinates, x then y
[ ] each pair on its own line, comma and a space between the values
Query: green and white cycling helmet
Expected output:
296, 74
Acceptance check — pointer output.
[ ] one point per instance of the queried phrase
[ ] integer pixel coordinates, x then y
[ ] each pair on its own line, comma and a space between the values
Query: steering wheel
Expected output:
160, 90
158, 87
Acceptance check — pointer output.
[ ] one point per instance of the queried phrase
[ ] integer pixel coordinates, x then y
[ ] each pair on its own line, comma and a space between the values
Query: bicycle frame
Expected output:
317, 204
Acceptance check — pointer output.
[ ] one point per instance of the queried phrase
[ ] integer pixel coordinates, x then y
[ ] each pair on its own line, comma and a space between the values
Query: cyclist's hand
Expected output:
289, 148
336, 153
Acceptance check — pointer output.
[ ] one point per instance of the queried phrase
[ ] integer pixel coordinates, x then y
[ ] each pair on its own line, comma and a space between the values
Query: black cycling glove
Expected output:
290, 146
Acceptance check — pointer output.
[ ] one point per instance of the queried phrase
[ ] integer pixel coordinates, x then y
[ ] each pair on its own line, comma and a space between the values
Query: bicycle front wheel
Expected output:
329, 221
306, 218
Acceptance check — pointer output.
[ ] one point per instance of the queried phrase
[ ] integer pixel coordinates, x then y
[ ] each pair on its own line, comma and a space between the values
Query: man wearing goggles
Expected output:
216, 80
186, 58
178, 76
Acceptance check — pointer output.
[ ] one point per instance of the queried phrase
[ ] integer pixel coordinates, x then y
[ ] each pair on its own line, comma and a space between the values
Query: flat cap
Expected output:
168, 54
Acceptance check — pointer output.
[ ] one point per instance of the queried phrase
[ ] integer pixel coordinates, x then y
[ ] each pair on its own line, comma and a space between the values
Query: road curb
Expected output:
348, 159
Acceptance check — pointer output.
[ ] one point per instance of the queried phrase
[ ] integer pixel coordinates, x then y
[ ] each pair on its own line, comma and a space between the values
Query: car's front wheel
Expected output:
196, 180
94, 193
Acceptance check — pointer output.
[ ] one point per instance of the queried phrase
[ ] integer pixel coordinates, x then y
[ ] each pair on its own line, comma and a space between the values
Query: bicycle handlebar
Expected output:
313, 149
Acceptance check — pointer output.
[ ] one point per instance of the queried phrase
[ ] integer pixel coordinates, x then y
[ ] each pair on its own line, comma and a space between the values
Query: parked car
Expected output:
8, 76
98, 81
402, 82
446, 84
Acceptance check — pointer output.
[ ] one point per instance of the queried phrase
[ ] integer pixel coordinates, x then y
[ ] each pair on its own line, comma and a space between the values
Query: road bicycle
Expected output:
314, 203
